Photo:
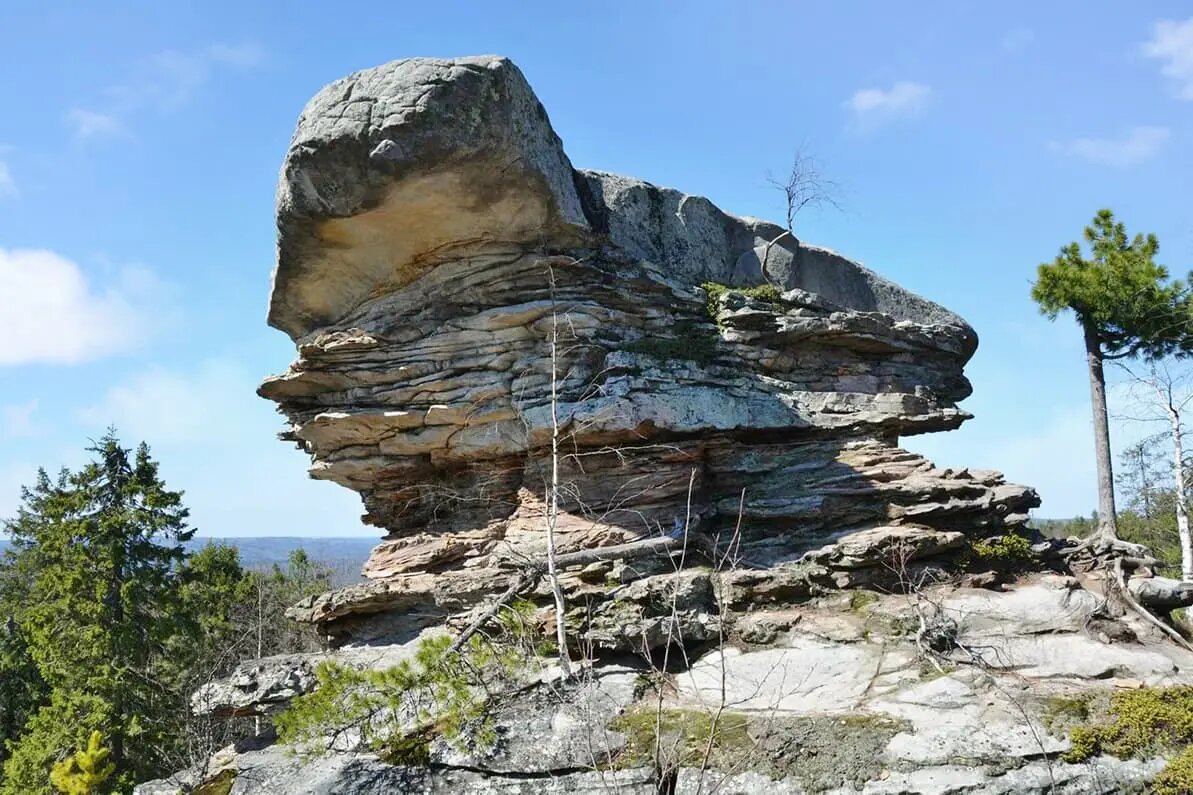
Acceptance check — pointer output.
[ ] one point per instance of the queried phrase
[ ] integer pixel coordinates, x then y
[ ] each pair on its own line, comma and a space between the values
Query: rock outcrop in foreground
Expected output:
727, 403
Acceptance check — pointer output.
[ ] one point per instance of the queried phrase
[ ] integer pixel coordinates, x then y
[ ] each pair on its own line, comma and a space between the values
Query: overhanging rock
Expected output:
434, 240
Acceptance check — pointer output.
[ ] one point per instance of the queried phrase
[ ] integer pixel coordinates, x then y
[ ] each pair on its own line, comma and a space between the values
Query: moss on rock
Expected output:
714, 291
1142, 724
691, 342
821, 752
219, 784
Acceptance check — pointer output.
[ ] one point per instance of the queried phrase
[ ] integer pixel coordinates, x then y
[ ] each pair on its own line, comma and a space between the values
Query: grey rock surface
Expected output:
842, 700
459, 295
433, 234
391, 165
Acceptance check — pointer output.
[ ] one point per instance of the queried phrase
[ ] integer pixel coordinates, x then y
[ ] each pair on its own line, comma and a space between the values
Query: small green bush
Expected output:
1008, 548
1143, 723
713, 291
400, 710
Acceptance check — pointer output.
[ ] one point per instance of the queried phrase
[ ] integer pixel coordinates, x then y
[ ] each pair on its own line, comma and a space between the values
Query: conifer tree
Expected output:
86, 771
21, 687
104, 549
1127, 307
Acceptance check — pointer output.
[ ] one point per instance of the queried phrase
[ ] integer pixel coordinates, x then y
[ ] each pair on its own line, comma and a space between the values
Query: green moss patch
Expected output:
1139, 723
1177, 776
821, 752
219, 784
860, 600
1145, 723
714, 291
1063, 713
693, 342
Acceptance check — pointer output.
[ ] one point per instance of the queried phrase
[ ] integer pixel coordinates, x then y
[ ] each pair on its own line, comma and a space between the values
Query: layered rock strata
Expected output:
748, 558
829, 694
458, 292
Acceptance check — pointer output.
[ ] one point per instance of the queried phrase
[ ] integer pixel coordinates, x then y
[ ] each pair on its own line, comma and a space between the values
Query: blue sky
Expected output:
139, 147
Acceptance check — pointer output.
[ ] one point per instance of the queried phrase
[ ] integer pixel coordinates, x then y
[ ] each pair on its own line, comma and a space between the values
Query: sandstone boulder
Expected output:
434, 240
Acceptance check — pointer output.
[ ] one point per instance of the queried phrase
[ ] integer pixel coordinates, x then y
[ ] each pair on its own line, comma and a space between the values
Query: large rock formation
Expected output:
725, 402
434, 241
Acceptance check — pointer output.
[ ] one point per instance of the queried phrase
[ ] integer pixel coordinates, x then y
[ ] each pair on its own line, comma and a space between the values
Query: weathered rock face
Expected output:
829, 695
741, 538
434, 241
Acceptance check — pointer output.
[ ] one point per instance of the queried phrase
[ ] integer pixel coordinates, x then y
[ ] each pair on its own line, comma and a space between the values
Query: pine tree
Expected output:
103, 551
84, 772
1127, 307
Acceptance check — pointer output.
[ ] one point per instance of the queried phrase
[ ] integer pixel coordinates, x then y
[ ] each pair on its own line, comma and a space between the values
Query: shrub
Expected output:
1144, 723
1007, 549
713, 291
400, 710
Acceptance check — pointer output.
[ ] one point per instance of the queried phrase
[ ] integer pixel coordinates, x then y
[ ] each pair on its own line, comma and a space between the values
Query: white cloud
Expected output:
1136, 146
163, 81
1018, 40
17, 420
90, 124
875, 105
1172, 45
216, 440
244, 55
8, 186
167, 407
51, 314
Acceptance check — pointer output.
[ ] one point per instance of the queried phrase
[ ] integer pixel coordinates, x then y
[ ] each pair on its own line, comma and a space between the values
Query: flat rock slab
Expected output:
1073, 656
809, 676
952, 718
555, 727
1054, 604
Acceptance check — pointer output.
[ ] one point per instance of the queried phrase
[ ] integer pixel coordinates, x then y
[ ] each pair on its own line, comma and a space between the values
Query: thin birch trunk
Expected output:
1182, 509
553, 495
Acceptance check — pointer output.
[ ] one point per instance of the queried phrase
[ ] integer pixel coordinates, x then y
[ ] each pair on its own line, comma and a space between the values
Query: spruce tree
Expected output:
103, 550
1127, 307
22, 690
86, 771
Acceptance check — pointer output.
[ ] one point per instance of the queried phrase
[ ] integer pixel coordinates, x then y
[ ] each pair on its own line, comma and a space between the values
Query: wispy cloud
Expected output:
167, 407
236, 481
62, 318
162, 82
1018, 40
91, 124
1172, 45
8, 186
1134, 147
872, 106
244, 55
17, 420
